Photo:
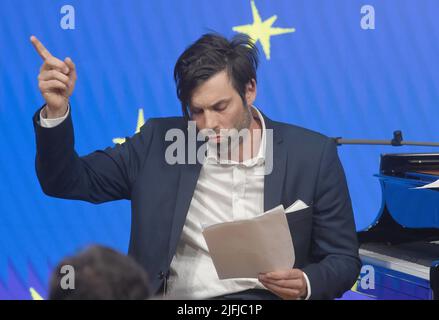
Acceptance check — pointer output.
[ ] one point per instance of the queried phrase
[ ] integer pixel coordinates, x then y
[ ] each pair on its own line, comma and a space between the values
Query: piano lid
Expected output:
407, 213
399, 164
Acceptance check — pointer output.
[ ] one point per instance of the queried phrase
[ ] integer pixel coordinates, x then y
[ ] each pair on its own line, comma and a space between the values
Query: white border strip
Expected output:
380, 260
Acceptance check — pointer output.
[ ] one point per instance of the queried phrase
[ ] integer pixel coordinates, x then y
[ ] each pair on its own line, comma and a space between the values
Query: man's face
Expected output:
216, 105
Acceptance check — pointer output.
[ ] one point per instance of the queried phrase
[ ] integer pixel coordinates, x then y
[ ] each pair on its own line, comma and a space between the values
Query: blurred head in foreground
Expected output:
99, 273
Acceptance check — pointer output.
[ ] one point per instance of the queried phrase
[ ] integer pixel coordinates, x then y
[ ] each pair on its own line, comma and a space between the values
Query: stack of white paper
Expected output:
245, 248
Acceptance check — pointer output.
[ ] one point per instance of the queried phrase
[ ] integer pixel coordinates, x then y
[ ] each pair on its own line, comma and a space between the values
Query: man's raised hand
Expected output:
56, 80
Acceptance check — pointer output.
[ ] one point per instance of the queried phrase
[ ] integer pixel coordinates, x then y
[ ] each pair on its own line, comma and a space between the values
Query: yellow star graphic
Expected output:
355, 289
262, 30
140, 123
35, 295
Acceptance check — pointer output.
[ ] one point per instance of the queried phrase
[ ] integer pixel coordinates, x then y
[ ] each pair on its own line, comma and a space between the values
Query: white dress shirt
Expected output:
224, 192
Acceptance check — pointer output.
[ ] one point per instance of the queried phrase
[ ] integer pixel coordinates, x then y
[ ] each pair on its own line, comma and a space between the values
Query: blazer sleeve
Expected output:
334, 248
101, 176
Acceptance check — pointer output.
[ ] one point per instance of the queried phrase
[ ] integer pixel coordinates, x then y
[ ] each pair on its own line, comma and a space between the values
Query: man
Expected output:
216, 84
100, 273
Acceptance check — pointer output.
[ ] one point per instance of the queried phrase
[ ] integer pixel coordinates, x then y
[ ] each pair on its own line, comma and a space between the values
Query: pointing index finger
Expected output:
41, 49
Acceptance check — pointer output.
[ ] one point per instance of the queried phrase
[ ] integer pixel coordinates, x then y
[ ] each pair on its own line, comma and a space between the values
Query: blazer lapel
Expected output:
189, 174
273, 182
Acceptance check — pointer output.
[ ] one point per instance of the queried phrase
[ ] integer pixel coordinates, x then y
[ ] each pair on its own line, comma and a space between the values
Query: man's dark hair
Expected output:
101, 273
210, 54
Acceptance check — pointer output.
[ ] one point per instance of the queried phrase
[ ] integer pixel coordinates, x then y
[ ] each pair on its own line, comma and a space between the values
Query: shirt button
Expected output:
161, 275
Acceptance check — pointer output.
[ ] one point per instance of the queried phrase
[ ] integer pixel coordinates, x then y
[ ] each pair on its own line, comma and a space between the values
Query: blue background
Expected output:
330, 75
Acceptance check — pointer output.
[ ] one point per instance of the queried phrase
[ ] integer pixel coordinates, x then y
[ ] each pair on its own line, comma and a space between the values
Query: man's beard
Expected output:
232, 139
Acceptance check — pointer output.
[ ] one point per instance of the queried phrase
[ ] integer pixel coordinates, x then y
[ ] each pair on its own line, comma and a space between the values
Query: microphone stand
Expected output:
396, 141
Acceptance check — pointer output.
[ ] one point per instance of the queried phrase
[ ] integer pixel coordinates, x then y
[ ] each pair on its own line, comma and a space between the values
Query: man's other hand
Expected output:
288, 284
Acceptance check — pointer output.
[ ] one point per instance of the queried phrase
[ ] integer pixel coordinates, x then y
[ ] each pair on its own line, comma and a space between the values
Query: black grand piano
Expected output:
402, 244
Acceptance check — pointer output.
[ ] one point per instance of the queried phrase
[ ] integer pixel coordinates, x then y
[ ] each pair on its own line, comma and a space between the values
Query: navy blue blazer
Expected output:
305, 166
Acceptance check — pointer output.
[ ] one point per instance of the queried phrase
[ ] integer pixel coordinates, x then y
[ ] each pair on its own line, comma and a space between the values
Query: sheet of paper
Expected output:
432, 185
296, 206
245, 248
